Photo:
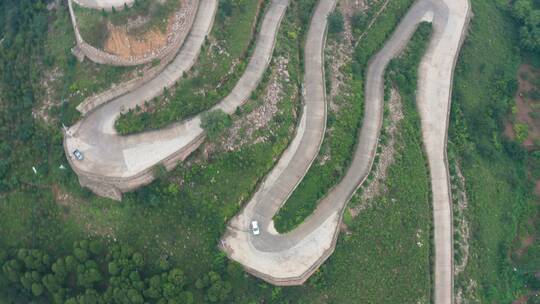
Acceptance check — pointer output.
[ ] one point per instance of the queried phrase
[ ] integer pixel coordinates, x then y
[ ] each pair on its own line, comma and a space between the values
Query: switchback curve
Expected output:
114, 164
289, 259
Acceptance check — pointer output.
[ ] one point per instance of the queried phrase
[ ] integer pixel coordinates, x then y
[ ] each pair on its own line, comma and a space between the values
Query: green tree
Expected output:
95, 247
37, 289
521, 9
154, 287
12, 270
358, 21
529, 19
335, 22
113, 268
59, 268
214, 122
176, 276
51, 283
163, 264
522, 131
138, 259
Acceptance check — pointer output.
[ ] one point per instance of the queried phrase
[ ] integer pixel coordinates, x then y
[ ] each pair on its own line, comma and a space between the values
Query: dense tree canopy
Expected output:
527, 12
92, 273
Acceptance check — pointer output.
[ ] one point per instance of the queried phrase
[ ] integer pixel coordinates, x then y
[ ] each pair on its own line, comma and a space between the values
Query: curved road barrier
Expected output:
289, 259
184, 18
114, 164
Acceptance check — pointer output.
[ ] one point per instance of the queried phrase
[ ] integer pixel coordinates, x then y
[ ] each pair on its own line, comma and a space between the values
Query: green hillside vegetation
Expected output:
387, 253
73, 80
494, 168
181, 216
340, 142
161, 241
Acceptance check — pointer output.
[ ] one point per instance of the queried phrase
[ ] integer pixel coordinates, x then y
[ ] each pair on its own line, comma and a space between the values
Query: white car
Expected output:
255, 228
78, 155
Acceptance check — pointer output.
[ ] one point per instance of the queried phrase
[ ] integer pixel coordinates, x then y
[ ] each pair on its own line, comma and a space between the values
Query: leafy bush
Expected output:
359, 21
214, 122
335, 22
527, 13
522, 131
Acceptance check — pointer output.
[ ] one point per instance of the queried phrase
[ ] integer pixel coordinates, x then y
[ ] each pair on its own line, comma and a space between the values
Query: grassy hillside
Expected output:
340, 140
179, 217
494, 168
385, 257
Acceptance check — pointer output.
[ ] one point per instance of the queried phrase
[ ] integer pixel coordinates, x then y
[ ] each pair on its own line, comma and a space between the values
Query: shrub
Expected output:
522, 131
335, 22
214, 122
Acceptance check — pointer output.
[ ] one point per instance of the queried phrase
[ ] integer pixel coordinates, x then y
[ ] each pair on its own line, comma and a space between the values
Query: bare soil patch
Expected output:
125, 44
526, 242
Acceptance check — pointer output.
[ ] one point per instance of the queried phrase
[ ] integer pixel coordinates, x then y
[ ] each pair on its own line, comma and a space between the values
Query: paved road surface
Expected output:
104, 4
112, 156
289, 259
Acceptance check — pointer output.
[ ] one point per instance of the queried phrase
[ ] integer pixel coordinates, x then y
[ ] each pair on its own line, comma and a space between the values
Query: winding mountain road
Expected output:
114, 164
289, 259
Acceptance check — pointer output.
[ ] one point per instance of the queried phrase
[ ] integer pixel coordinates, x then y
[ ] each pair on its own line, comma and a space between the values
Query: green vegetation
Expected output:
215, 122
527, 12
522, 131
335, 22
179, 217
71, 81
218, 68
338, 143
96, 272
93, 23
494, 168
387, 253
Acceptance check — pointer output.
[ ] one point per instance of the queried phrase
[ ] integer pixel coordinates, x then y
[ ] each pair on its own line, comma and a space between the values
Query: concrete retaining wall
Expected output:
184, 20
113, 187
118, 90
